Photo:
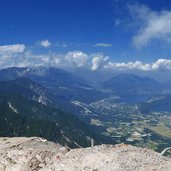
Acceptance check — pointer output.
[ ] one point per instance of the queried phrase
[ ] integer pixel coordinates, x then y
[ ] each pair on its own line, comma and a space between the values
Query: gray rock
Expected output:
41, 155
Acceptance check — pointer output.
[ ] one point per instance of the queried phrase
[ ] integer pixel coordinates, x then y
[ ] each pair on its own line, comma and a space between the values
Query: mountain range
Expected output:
61, 106
28, 109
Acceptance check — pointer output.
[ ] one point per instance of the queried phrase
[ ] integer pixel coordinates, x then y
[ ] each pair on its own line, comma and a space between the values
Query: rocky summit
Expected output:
37, 154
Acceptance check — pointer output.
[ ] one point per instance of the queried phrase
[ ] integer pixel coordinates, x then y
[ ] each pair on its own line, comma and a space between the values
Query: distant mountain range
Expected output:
64, 85
124, 84
60, 87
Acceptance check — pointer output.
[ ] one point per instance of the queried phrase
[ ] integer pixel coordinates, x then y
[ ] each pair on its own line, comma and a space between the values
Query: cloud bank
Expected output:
10, 49
160, 64
19, 56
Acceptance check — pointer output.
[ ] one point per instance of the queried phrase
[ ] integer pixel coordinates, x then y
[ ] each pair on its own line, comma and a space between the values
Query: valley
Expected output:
126, 124
127, 109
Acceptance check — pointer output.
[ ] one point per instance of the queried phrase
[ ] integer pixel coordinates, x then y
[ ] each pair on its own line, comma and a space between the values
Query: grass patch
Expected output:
161, 129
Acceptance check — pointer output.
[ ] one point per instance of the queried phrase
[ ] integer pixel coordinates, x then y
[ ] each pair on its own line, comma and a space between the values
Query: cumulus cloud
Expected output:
17, 48
77, 58
29, 59
152, 25
17, 56
103, 45
9, 53
45, 43
160, 64
98, 61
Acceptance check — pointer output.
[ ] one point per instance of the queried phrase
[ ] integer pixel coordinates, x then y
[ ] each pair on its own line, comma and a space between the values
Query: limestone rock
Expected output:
37, 154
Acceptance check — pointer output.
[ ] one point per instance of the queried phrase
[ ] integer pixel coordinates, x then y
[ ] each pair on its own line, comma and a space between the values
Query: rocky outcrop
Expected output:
27, 154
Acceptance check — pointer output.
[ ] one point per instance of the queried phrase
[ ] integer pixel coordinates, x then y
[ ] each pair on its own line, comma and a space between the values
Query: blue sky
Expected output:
120, 30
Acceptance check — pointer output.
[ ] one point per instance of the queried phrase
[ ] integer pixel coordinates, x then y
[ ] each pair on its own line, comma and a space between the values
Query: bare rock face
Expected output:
33, 154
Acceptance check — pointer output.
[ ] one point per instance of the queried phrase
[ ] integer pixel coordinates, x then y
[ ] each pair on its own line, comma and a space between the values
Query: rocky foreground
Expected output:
27, 154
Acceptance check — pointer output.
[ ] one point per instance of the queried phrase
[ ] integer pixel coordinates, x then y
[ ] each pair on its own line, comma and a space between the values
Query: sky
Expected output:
95, 34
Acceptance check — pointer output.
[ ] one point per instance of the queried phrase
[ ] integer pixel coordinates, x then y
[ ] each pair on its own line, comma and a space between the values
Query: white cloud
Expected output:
30, 59
10, 53
16, 48
45, 43
160, 64
76, 58
153, 25
98, 61
103, 45
17, 56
